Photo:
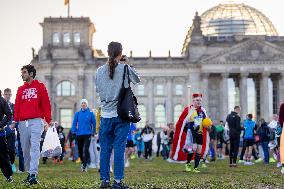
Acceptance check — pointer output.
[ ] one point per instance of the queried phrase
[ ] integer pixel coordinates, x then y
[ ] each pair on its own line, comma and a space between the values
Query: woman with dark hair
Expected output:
113, 130
281, 120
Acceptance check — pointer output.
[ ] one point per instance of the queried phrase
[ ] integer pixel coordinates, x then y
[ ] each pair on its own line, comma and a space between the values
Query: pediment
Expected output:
248, 51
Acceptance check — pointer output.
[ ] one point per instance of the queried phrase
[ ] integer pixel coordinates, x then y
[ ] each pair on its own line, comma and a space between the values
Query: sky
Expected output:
140, 25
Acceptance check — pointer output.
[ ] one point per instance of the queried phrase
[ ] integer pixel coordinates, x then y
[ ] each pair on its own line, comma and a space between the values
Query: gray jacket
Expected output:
108, 89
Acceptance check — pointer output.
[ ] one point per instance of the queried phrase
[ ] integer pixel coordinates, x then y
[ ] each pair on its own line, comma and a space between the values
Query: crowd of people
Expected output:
101, 139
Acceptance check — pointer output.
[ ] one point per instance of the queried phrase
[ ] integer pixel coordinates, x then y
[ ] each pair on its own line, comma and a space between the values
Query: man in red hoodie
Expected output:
32, 110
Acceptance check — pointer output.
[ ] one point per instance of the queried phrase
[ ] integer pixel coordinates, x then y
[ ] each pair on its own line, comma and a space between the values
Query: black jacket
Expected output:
5, 113
234, 123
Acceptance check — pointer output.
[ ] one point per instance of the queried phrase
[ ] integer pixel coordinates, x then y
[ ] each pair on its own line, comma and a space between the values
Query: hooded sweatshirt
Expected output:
84, 123
31, 102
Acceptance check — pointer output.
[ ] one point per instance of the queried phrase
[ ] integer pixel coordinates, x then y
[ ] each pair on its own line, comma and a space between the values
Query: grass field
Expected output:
158, 174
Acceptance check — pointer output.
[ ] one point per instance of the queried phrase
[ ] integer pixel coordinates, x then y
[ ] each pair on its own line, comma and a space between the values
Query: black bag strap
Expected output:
124, 72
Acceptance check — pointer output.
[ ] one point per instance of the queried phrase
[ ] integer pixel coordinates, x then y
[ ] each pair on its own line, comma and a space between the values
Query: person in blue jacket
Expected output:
84, 126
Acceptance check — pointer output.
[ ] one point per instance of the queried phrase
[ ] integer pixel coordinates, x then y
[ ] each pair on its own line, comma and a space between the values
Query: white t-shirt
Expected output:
273, 124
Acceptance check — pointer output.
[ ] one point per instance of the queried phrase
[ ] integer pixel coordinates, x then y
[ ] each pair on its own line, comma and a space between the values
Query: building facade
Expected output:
232, 54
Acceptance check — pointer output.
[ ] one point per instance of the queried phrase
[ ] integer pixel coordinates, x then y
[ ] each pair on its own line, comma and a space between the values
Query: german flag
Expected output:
66, 2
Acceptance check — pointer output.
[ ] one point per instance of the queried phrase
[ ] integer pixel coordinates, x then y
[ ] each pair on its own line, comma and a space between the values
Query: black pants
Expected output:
11, 140
158, 150
84, 142
4, 158
234, 148
148, 149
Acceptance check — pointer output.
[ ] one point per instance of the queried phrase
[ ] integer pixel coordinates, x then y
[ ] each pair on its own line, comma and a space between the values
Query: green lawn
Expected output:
158, 174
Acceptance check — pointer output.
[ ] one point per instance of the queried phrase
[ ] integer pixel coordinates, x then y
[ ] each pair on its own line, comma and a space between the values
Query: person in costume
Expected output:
189, 130
281, 120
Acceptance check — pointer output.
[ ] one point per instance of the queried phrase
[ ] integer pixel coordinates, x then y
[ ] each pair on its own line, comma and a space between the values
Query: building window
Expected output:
66, 38
142, 111
140, 90
160, 116
179, 89
233, 93
160, 89
177, 112
77, 38
55, 38
66, 116
65, 88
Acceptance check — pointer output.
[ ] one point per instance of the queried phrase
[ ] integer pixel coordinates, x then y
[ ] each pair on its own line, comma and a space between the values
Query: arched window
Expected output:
142, 111
177, 111
66, 38
55, 38
65, 88
160, 116
77, 38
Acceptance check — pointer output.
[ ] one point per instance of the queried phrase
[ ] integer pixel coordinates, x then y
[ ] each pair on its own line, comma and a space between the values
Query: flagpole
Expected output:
68, 8
189, 95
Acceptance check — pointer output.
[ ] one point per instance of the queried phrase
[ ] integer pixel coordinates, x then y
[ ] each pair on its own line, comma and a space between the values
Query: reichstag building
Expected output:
232, 54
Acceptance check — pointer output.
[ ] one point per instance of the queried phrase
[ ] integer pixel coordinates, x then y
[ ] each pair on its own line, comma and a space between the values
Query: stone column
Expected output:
80, 89
150, 105
280, 90
224, 96
243, 95
169, 100
264, 96
204, 90
48, 84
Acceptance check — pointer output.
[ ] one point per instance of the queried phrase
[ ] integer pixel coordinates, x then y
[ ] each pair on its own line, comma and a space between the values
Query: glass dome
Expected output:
235, 19
229, 19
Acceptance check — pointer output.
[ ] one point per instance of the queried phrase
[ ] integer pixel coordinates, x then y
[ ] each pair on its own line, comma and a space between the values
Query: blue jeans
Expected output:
112, 135
265, 149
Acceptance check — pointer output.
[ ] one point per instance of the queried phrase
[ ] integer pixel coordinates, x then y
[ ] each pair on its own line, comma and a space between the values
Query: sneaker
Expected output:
20, 172
127, 164
188, 167
10, 179
203, 165
26, 181
282, 170
78, 160
105, 184
61, 162
84, 169
14, 168
195, 170
279, 165
70, 158
272, 160
119, 185
132, 156
241, 161
258, 160
33, 179
92, 166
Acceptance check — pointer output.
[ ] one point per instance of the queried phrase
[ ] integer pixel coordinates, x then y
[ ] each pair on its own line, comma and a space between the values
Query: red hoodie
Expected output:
32, 101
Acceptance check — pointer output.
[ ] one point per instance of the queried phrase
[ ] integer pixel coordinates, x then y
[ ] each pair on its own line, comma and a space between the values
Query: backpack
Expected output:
270, 133
278, 130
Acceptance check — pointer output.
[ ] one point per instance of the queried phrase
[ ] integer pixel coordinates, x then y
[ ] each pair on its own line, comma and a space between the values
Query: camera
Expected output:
123, 58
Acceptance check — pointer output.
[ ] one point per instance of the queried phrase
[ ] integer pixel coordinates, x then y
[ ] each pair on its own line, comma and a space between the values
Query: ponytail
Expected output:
114, 50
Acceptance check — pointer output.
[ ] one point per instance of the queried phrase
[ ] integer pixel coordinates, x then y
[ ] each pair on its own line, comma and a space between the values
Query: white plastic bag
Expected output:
51, 145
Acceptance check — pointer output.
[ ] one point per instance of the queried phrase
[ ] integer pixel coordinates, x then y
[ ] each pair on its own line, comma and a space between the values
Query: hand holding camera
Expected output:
124, 59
